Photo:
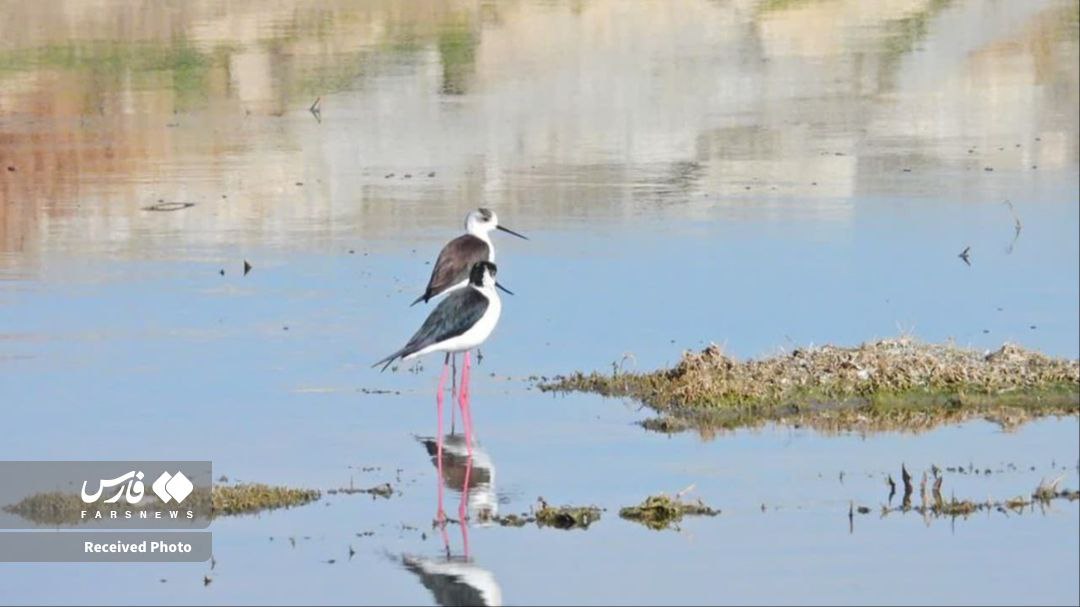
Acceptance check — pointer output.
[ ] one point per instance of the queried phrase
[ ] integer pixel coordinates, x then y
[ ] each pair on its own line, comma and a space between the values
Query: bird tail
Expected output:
388, 360
423, 298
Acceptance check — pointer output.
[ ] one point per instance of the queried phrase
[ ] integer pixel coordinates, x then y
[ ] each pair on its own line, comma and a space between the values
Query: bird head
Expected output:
482, 221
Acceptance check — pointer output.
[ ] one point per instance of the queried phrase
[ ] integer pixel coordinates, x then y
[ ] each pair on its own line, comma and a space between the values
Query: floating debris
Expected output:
168, 207
384, 490
966, 255
660, 511
376, 391
248, 498
1017, 228
514, 520
565, 517
56, 508
1047, 490
935, 505
247, 267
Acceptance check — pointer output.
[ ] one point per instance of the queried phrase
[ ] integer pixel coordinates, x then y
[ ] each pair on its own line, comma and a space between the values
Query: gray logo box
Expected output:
105, 547
127, 494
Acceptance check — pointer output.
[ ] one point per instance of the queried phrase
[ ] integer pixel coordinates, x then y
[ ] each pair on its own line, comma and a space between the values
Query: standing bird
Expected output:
457, 258
462, 321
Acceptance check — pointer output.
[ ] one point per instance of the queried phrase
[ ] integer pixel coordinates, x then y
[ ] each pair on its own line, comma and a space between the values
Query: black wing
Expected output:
453, 316
447, 589
453, 265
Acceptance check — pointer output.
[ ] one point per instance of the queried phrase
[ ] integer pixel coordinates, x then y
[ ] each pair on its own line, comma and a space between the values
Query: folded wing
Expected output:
453, 265
452, 317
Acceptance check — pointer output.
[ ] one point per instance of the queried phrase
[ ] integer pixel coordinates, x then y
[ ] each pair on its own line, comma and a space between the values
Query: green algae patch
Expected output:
51, 508
513, 520
546, 515
384, 490
566, 517
897, 384
55, 508
256, 497
662, 512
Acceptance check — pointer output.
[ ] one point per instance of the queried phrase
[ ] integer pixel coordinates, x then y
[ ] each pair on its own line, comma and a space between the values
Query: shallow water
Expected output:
686, 173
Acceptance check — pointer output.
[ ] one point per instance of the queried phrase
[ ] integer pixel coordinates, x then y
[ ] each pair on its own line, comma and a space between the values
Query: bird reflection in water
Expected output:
454, 578
471, 476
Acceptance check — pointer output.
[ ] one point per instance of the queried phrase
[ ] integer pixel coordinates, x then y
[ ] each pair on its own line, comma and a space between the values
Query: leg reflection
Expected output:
453, 388
440, 514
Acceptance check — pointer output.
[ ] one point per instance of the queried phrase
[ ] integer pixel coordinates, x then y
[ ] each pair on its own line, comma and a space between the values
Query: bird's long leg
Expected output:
468, 411
453, 387
463, 402
440, 515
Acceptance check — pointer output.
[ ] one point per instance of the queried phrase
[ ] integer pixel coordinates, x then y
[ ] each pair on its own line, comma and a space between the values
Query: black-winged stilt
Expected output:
458, 256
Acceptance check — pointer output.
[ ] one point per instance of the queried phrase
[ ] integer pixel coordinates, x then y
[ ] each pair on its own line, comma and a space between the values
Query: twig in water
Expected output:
908, 488
1018, 227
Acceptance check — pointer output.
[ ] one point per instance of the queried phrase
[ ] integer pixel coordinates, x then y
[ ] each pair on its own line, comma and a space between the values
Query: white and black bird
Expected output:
460, 254
462, 321
455, 581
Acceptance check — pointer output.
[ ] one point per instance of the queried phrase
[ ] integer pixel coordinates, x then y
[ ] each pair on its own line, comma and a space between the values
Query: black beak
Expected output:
504, 229
502, 288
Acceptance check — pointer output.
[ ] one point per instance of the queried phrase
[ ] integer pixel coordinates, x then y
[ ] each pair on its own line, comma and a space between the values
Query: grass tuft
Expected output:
896, 384
661, 512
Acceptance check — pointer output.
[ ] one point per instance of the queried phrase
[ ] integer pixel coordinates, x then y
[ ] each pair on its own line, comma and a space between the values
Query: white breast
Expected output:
476, 335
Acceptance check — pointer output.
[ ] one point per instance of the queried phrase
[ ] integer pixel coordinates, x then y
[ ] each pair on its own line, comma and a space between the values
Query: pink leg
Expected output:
440, 515
463, 402
468, 403
453, 389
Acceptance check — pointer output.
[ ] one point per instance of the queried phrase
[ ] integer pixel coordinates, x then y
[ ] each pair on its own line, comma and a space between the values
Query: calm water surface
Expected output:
764, 175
